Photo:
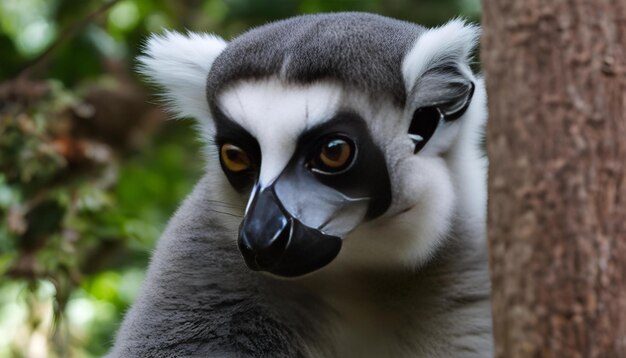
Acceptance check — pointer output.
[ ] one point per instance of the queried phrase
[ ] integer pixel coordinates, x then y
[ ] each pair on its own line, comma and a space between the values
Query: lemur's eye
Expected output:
234, 158
334, 156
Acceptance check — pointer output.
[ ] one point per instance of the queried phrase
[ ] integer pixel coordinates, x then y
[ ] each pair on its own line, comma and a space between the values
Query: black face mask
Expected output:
295, 225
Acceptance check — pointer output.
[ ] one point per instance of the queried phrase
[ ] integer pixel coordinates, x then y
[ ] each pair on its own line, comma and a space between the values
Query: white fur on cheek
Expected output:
276, 114
409, 238
180, 64
426, 183
468, 161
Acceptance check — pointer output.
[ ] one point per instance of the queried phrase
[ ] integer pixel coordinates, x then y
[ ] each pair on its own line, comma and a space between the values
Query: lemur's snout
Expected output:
264, 233
272, 240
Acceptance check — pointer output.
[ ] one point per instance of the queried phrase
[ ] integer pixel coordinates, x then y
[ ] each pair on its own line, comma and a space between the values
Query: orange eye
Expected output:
234, 158
334, 156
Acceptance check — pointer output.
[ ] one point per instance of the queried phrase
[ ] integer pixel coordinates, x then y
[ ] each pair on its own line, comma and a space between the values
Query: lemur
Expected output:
342, 210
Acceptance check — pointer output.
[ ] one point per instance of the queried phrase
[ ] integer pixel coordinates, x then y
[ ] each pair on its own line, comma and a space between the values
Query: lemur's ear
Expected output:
180, 64
438, 80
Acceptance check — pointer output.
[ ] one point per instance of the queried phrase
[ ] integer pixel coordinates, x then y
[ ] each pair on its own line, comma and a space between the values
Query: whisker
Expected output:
225, 213
223, 203
227, 206
352, 200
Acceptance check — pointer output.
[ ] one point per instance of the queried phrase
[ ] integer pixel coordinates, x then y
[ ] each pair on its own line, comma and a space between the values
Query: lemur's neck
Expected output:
457, 251
380, 312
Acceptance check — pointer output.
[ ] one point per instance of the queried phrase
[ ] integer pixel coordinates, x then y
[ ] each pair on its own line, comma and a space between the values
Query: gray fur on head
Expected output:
357, 49
411, 281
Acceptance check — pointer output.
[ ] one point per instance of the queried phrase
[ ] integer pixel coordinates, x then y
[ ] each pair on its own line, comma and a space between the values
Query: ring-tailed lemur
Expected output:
342, 213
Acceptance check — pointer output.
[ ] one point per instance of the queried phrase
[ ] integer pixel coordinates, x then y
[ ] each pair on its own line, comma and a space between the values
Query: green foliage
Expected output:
89, 170
80, 214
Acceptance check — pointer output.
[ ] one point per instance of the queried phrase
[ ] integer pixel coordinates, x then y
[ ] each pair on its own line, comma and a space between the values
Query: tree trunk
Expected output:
556, 79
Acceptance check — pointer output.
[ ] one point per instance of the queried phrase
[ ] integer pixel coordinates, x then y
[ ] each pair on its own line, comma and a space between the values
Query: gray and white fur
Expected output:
409, 281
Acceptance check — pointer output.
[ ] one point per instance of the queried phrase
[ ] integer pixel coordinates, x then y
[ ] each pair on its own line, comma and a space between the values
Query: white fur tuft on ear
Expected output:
452, 42
180, 64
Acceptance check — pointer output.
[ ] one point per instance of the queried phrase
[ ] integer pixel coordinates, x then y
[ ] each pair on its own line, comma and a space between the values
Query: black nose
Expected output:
264, 233
270, 239
263, 254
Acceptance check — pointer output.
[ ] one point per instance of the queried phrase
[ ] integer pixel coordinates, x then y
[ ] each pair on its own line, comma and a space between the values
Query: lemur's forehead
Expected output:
277, 113
260, 106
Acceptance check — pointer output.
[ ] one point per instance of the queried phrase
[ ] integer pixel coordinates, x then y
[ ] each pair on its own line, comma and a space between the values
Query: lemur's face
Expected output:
319, 162
313, 170
336, 130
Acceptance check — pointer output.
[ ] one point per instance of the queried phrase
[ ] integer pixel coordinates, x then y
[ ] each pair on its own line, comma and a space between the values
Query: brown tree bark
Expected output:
556, 79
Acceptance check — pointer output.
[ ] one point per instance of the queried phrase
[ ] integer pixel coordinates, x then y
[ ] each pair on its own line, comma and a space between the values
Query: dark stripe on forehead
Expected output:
356, 49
